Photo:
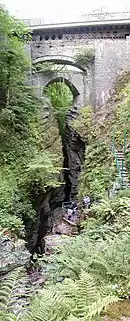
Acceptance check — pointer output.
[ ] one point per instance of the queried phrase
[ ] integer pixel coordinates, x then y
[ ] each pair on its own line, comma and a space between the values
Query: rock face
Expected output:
74, 149
13, 252
47, 202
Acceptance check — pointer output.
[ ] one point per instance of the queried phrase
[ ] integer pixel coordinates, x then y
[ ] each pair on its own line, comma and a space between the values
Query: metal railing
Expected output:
122, 167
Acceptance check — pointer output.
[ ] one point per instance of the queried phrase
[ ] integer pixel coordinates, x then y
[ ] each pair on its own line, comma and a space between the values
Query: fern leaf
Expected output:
72, 318
96, 307
86, 286
11, 292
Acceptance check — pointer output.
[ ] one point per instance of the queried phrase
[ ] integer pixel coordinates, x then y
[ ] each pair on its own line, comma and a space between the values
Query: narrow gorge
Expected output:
49, 207
64, 135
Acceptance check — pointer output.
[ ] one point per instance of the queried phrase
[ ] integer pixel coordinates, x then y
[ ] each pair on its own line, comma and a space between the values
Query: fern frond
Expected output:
49, 306
12, 291
72, 318
69, 301
87, 286
102, 303
86, 291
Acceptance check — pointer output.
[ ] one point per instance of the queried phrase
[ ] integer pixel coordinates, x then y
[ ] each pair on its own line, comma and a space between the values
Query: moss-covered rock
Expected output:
31, 157
100, 130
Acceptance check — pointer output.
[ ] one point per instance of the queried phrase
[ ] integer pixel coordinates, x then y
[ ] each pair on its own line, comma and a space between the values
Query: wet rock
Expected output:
37, 279
65, 227
54, 241
49, 206
13, 253
75, 149
60, 279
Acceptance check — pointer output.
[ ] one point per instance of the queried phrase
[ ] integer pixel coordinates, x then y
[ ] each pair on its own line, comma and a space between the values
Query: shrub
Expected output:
85, 58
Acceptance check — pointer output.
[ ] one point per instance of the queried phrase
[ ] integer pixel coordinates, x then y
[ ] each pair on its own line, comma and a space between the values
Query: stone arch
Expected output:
62, 79
75, 80
59, 59
70, 85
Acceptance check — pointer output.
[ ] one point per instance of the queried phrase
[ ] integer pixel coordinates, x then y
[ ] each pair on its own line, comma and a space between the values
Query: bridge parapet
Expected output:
90, 17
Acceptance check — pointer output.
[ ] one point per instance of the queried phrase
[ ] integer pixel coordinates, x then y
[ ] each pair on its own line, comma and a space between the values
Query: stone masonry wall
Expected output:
112, 57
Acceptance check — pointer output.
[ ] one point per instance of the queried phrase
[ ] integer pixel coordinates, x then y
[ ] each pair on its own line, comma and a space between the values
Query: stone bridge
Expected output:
106, 35
79, 84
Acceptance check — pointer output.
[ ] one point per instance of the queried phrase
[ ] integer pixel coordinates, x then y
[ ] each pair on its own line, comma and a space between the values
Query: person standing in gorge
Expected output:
69, 212
86, 202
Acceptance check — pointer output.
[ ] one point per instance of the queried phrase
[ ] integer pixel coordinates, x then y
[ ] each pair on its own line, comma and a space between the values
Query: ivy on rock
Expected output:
27, 168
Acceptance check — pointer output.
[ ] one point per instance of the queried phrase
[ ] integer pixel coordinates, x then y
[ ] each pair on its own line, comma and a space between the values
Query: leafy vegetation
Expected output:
117, 209
121, 120
61, 100
13, 291
28, 165
48, 67
78, 299
85, 58
95, 270
13, 61
94, 266
127, 159
99, 170
99, 133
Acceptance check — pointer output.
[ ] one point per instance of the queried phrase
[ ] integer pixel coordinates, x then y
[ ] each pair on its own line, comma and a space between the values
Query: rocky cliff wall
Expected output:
70, 150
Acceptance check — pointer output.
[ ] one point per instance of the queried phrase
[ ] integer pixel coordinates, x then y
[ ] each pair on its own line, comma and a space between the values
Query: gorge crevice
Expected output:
73, 148
74, 153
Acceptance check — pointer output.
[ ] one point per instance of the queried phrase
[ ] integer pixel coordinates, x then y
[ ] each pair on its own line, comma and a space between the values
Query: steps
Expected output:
122, 169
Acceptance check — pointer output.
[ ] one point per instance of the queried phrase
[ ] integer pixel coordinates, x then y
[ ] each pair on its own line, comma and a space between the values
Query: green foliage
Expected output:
117, 123
98, 172
13, 61
108, 217
122, 119
85, 124
78, 299
12, 222
27, 169
13, 291
48, 67
23, 175
117, 210
122, 81
41, 174
96, 263
100, 251
96, 271
85, 58
61, 99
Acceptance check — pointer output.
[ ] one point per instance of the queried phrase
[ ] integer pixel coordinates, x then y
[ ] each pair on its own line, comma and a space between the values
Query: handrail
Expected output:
120, 169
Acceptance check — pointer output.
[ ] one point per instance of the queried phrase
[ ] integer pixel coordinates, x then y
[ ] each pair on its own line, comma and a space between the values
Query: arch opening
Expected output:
67, 82
62, 94
59, 59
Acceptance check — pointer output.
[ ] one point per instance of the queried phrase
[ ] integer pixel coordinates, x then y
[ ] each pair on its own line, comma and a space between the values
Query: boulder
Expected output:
13, 252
